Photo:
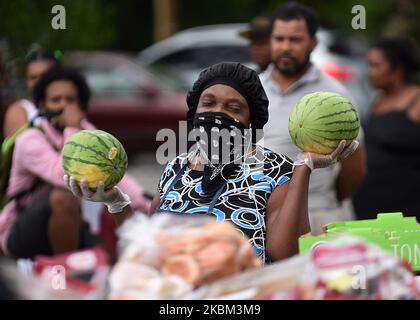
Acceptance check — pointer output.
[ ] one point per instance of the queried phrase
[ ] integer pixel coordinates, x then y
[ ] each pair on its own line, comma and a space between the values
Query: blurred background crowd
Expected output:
140, 57
135, 53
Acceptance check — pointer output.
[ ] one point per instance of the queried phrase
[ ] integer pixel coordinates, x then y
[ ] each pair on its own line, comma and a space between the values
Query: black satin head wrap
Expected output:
242, 79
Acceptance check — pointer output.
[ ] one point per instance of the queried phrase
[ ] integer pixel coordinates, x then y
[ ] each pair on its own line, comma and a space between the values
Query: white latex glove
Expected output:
113, 198
315, 161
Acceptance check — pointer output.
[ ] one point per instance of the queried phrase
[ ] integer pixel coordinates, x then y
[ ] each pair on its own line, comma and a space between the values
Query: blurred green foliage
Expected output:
25, 25
89, 25
128, 24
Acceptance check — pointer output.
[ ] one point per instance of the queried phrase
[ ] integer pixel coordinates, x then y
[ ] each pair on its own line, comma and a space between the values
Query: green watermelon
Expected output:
320, 120
94, 156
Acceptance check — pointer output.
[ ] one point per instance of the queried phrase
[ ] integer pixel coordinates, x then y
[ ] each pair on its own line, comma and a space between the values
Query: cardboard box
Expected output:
390, 231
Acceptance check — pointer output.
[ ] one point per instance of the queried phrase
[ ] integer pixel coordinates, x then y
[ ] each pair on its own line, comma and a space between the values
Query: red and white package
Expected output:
84, 272
348, 268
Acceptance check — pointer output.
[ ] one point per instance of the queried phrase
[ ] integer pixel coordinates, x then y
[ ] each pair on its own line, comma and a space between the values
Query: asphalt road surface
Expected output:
145, 169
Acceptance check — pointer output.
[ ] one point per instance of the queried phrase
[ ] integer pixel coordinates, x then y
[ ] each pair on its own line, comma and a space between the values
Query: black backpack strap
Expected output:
32, 125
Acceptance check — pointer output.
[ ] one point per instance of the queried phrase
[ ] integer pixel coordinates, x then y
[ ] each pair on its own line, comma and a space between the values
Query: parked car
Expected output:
192, 50
189, 51
129, 101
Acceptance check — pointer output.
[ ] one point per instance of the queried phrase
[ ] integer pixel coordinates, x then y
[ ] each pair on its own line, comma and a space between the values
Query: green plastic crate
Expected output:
390, 231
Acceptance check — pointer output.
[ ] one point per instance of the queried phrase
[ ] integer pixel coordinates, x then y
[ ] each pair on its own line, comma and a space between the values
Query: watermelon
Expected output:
320, 120
94, 156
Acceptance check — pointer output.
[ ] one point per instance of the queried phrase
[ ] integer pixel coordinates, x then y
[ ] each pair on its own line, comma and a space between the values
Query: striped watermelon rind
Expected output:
94, 156
320, 120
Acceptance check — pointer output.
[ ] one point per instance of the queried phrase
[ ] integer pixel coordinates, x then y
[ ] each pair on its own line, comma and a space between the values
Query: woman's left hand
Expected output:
315, 161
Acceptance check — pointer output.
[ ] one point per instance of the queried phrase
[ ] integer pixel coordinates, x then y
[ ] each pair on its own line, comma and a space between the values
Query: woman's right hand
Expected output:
72, 116
113, 198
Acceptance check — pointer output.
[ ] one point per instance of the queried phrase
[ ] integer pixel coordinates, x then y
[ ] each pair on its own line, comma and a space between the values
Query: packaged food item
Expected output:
259, 283
392, 232
344, 268
347, 268
171, 255
133, 281
84, 272
78, 275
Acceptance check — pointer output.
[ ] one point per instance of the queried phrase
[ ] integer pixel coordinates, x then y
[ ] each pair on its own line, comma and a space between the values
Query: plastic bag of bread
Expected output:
193, 250
133, 281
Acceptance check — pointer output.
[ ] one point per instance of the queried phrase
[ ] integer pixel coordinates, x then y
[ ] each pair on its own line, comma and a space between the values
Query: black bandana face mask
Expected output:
219, 137
221, 143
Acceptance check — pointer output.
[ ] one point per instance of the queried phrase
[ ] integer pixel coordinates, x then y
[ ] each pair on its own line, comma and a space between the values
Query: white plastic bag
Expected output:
165, 256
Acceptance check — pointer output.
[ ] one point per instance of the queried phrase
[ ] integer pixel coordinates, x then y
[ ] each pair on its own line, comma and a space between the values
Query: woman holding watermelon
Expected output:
262, 193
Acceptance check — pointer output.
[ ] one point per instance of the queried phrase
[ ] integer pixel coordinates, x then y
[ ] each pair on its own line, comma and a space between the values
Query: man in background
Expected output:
290, 77
258, 33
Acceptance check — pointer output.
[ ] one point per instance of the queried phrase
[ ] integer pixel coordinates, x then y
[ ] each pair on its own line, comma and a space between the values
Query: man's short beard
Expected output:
295, 69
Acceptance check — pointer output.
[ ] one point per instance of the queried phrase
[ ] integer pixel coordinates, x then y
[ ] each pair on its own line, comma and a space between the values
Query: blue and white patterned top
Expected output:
243, 200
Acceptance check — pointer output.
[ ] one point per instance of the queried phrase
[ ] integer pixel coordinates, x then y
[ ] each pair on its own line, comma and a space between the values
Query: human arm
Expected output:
70, 116
35, 153
287, 215
14, 118
287, 211
351, 174
113, 198
117, 202
165, 177
136, 193
155, 203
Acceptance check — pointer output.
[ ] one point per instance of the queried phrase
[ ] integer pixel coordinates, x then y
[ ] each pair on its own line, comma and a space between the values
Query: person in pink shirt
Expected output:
43, 217
24, 110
